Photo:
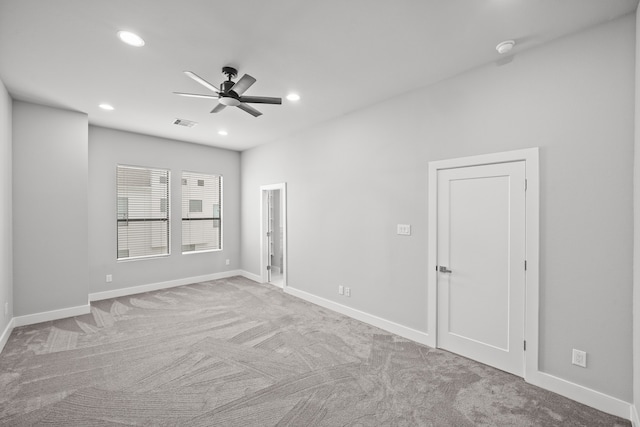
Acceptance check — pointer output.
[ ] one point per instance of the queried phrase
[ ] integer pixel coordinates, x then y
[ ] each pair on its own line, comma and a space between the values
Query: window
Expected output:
201, 208
142, 214
123, 207
195, 206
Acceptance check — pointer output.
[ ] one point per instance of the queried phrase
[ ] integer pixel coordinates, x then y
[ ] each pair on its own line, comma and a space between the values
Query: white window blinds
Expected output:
201, 208
142, 217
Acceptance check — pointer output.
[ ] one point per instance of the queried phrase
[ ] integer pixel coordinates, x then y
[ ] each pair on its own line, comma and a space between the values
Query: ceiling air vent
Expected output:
183, 122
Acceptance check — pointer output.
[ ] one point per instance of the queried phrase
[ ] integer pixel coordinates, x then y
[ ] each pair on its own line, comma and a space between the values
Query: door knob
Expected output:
444, 269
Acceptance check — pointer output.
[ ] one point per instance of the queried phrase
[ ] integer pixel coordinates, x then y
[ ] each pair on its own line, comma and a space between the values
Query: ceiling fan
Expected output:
230, 92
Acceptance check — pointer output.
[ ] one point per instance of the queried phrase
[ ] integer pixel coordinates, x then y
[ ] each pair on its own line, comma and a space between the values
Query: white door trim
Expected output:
264, 253
530, 157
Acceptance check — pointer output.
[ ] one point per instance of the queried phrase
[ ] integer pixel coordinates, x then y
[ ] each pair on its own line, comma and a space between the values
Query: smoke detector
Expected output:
505, 46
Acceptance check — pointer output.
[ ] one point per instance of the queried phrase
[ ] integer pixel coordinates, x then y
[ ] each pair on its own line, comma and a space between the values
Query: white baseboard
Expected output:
46, 316
584, 395
387, 325
251, 276
595, 399
31, 319
115, 293
546, 381
5, 335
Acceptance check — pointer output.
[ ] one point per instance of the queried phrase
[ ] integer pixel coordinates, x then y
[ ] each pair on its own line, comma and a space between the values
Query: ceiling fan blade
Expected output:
250, 110
218, 108
196, 95
202, 81
243, 84
261, 100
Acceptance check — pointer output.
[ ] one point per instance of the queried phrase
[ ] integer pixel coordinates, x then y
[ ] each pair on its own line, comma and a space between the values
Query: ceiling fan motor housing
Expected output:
226, 86
227, 96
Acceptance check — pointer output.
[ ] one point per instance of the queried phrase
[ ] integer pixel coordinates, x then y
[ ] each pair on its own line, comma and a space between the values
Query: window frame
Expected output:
119, 220
219, 211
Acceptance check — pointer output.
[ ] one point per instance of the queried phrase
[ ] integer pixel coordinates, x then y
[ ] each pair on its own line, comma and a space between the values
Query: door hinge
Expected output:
525, 185
525, 345
525, 265
268, 267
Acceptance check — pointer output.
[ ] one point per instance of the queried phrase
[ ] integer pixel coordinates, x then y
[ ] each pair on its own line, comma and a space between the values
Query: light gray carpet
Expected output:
235, 353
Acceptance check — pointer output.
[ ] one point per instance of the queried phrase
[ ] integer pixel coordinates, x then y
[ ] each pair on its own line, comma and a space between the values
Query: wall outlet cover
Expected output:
579, 358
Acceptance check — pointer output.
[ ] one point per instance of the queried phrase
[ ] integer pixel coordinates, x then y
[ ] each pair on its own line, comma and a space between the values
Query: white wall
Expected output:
350, 181
109, 147
50, 188
636, 217
6, 240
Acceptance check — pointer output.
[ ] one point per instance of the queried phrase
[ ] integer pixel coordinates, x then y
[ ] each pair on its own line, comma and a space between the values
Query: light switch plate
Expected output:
404, 229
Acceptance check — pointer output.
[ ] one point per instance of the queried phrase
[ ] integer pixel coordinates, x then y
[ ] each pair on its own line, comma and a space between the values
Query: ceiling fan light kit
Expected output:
229, 101
230, 92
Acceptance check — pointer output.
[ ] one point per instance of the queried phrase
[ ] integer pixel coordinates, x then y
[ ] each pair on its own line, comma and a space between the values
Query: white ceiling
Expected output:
340, 55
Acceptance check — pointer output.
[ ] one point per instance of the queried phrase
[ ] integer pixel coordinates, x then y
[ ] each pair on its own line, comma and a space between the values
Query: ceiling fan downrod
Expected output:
231, 73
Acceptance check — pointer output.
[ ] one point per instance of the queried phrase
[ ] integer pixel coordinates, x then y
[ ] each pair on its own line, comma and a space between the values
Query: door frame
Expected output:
264, 251
532, 235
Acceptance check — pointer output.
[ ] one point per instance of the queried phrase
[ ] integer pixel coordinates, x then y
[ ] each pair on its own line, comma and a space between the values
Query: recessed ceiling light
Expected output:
505, 46
223, 133
131, 38
106, 107
293, 97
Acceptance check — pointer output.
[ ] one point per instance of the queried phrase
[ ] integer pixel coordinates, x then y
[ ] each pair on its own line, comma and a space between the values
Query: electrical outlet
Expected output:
579, 358
340, 289
347, 291
109, 278
227, 262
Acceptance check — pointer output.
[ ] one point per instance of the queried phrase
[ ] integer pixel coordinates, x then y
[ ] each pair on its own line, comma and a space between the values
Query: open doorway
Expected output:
273, 234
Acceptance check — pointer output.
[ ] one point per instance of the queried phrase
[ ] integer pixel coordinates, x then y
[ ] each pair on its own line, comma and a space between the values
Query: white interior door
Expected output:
481, 263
